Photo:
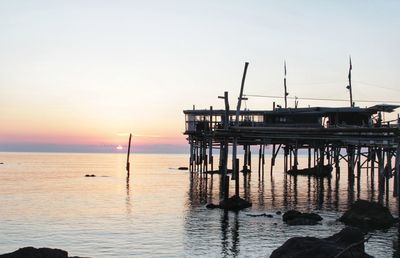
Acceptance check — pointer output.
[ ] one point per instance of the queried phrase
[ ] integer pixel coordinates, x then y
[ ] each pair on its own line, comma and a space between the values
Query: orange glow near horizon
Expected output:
116, 139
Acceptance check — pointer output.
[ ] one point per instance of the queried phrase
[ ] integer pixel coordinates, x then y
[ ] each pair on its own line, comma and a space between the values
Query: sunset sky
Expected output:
80, 75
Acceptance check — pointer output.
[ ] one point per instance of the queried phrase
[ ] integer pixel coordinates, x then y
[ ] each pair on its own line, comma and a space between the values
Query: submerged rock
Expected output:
301, 247
31, 252
323, 171
261, 215
90, 175
212, 206
183, 168
368, 215
234, 203
294, 217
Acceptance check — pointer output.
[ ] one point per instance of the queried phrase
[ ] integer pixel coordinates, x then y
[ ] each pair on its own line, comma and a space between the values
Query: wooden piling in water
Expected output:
396, 181
128, 164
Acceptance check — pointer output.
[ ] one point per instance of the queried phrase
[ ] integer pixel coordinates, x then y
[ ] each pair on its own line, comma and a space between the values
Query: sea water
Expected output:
159, 211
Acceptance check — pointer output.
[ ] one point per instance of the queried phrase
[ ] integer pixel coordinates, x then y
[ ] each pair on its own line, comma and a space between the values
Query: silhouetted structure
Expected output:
357, 136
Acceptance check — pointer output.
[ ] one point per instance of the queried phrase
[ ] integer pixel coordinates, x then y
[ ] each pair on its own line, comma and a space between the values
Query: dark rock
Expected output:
294, 217
302, 247
278, 213
1, 163
212, 206
183, 168
88, 175
301, 221
235, 203
291, 214
368, 216
324, 171
257, 215
31, 252
260, 215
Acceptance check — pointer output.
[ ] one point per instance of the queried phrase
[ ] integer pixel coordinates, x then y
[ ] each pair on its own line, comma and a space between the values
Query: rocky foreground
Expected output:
368, 216
348, 243
32, 252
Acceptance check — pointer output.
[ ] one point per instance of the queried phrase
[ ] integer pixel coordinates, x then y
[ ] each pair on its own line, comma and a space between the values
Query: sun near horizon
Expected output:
74, 75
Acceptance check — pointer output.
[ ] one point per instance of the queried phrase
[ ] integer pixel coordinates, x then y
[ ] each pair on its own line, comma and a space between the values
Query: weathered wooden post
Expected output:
225, 147
337, 160
388, 170
128, 165
259, 162
191, 157
350, 162
381, 171
245, 158
272, 159
210, 142
295, 162
285, 158
396, 183
234, 148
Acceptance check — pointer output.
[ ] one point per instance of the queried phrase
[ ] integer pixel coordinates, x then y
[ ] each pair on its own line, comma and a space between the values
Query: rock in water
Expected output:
302, 247
183, 168
368, 215
212, 206
293, 217
235, 203
31, 252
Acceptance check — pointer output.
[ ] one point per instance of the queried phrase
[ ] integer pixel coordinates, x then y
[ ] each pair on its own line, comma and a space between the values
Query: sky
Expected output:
82, 75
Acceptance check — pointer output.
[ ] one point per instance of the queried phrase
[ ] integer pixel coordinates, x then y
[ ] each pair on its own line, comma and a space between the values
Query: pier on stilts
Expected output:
330, 137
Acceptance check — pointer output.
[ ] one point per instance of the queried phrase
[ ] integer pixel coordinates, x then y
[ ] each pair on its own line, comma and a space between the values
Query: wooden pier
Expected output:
329, 136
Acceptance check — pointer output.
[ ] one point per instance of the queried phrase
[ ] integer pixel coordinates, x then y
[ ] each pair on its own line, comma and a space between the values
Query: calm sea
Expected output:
46, 201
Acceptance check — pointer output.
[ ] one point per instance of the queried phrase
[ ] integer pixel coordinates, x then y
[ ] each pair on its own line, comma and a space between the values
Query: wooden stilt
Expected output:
128, 164
396, 181
259, 162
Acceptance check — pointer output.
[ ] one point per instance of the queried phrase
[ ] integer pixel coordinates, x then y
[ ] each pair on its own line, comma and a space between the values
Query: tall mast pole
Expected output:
349, 86
234, 147
284, 84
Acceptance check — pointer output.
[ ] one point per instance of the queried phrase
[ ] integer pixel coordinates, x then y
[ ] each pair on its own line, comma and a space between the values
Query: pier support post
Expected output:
337, 161
263, 161
236, 170
191, 155
381, 170
272, 159
295, 161
259, 162
350, 162
358, 172
285, 157
388, 172
396, 183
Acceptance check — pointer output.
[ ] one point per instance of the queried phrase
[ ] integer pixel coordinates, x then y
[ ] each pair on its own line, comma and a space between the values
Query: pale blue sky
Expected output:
77, 70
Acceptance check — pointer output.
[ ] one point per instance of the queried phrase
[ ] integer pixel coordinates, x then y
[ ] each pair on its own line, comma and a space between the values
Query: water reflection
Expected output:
229, 247
279, 192
128, 198
285, 191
